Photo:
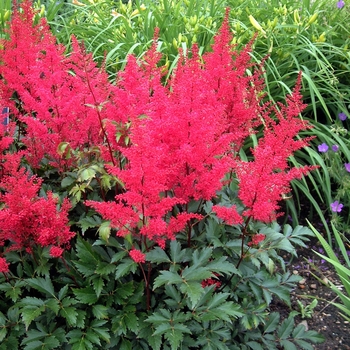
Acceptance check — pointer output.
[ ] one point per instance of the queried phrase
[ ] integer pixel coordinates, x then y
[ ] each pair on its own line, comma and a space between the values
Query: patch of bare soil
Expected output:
325, 317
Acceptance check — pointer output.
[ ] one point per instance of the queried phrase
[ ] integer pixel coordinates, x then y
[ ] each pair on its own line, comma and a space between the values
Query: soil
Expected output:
325, 317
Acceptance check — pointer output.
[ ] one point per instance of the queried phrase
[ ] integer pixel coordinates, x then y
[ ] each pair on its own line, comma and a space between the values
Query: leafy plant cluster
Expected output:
133, 215
94, 298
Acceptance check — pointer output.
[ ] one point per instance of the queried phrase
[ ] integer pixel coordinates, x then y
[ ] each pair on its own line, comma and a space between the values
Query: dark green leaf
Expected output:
272, 322
85, 295
98, 285
192, 290
157, 255
195, 273
254, 345
288, 345
100, 311
286, 328
70, 314
43, 285
167, 277
128, 265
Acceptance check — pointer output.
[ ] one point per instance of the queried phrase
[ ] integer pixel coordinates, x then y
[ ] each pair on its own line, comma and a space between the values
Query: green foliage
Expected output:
95, 297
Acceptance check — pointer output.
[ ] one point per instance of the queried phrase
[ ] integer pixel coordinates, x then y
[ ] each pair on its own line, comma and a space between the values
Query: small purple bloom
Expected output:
340, 4
342, 116
336, 207
335, 148
323, 148
347, 167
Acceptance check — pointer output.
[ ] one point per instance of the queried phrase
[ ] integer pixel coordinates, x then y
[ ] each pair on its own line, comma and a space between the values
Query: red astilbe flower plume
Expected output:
4, 265
264, 180
27, 219
184, 138
62, 99
137, 256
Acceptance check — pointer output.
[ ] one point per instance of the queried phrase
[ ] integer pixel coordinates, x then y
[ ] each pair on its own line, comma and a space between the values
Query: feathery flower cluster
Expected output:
62, 98
27, 219
176, 141
137, 256
256, 239
4, 265
263, 180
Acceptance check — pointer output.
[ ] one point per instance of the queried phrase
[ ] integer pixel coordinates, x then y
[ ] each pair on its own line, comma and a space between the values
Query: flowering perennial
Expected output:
169, 145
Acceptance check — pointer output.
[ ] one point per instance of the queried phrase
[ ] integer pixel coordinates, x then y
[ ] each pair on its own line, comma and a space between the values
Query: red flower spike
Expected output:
137, 256
256, 239
4, 265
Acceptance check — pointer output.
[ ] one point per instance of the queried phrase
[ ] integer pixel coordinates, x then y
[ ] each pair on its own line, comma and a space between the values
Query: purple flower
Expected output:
340, 4
335, 148
336, 207
323, 148
347, 167
342, 116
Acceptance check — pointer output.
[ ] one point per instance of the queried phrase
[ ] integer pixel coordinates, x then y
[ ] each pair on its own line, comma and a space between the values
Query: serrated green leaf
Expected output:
155, 341
100, 311
12, 291
314, 337
201, 257
103, 333
254, 345
286, 328
193, 291
195, 273
163, 316
167, 277
125, 345
304, 345
288, 345
131, 322
31, 312
70, 314
43, 285
128, 265
123, 291
177, 254
175, 336
104, 268
98, 284
157, 255
48, 343
118, 256
63, 292
35, 345
221, 265
92, 337
3, 332
272, 322
85, 295
67, 181
53, 304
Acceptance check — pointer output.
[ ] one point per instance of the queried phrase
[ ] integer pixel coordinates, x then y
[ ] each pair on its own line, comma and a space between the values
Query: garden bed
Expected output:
325, 317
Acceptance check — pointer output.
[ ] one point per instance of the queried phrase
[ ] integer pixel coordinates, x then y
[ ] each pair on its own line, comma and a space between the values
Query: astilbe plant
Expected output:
158, 164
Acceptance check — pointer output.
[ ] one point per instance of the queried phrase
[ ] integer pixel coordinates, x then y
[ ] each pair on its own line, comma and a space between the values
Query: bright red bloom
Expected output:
25, 218
264, 180
137, 256
256, 239
229, 215
4, 265
56, 252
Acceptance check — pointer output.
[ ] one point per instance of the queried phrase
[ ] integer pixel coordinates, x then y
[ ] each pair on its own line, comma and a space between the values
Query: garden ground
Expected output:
325, 318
